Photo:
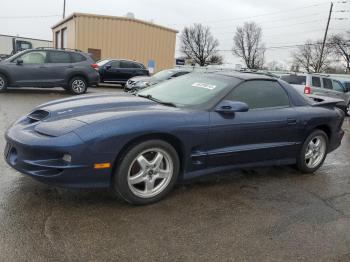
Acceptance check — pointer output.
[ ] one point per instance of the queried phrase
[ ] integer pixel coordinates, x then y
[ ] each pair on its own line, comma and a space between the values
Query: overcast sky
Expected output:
284, 22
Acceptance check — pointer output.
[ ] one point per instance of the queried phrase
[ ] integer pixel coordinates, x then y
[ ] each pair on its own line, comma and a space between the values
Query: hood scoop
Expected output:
37, 115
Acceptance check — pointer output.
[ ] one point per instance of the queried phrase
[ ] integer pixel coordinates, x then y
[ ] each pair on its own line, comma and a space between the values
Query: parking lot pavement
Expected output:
272, 214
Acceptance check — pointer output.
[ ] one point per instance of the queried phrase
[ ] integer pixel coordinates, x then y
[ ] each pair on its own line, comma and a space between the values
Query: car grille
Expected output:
38, 115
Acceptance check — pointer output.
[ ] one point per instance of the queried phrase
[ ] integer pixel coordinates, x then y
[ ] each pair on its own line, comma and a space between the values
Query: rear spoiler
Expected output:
324, 101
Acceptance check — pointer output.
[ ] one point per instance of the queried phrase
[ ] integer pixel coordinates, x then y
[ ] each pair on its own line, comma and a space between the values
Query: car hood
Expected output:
145, 79
66, 115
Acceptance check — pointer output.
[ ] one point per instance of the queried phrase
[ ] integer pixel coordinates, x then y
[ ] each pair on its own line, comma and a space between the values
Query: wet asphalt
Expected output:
269, 214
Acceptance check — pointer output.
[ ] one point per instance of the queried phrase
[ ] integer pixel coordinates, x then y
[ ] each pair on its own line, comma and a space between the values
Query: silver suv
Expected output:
322, 85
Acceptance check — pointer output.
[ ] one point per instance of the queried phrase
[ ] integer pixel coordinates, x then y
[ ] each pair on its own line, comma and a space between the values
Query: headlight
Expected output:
144, 84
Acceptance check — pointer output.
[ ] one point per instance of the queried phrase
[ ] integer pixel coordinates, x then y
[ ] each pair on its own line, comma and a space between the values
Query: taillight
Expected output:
94, 66
307, 90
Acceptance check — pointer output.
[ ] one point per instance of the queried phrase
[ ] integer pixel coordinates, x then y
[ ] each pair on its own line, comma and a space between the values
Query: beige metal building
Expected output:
117, 37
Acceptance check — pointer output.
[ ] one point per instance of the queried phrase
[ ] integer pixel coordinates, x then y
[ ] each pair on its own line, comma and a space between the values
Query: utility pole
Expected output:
325, 38
64, 9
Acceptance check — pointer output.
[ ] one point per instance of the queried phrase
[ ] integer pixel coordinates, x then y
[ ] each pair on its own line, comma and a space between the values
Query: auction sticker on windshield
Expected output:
204, 85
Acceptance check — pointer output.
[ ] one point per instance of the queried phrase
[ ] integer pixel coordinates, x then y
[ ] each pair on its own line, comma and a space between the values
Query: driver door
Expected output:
30, 69
268, 131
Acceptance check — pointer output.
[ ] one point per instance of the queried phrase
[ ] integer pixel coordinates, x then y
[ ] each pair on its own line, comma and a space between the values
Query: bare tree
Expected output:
247, 45
340, 45
307, 56
198, 43
216, 60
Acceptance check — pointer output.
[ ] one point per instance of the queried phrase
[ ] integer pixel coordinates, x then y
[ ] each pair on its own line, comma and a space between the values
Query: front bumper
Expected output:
42, 158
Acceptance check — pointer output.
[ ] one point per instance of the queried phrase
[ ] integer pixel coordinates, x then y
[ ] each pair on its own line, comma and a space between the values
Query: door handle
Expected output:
70, 66
291, 121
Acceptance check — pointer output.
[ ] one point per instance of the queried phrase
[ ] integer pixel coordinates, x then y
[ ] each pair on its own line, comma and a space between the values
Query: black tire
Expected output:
302, 159
347, 110
121, 177
3, 83
77, 85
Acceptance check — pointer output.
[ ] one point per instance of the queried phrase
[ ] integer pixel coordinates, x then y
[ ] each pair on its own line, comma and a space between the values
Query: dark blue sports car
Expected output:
200, 123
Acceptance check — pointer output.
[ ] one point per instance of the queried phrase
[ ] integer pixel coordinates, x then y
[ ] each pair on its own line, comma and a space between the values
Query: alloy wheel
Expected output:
78, 86
150, 173
2, 82
315, 151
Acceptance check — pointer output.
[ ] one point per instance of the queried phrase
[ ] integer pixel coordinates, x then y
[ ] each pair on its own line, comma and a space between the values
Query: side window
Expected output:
337, 86
327, 83
316, 82
59, 57
260, 94
115, 64
136, 65
35, 57
78, 57
126, 64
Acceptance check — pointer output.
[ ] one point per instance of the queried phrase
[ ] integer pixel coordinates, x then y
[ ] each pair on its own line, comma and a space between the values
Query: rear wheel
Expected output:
313, 152
147, 172
3, 83
77, 85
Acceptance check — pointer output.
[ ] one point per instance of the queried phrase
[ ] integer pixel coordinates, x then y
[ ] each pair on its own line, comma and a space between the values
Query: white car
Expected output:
322, 85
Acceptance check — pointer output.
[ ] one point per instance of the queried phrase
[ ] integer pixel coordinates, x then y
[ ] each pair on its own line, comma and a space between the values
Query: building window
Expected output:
58, 39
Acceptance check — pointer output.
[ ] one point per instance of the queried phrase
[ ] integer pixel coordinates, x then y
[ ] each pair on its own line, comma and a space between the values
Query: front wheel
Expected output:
313, 152
147, 172
3, 83
77, 85
347, 110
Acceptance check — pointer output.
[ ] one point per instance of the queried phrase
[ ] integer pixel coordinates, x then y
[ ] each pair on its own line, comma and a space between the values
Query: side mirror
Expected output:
19, 62
231, 107
108, 67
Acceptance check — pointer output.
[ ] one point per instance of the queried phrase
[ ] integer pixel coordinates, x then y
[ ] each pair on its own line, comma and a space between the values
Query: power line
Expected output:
28, 17
261, 15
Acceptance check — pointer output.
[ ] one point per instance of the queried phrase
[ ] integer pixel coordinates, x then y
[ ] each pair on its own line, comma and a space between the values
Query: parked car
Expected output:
346, 84
119, 71
48, 67
140, 82
320, 85
197, 124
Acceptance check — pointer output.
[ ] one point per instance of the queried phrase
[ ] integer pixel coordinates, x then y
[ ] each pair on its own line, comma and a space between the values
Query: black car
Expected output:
119, 71
139, 82
48, 67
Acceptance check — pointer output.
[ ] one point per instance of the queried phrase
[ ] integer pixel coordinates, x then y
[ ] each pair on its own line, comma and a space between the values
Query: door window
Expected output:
260, 94
35, 57
59, 57
327, 83
337, 86
126, 64
115, 64
316, 82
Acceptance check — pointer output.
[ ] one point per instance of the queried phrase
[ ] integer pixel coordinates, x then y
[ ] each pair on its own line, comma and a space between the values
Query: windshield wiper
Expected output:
157, 100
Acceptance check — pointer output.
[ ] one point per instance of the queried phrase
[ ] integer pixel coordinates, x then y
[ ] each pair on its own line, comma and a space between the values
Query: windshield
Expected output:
162, 75
190, 90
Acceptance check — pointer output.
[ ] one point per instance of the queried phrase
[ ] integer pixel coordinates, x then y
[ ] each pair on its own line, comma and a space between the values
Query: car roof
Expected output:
242, 75
121, 59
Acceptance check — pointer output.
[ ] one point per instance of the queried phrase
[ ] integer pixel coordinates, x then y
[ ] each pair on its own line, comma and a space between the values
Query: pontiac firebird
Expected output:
141, 145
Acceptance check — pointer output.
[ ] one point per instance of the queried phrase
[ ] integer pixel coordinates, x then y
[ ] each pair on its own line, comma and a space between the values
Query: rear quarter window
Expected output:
77, 58
294, 79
